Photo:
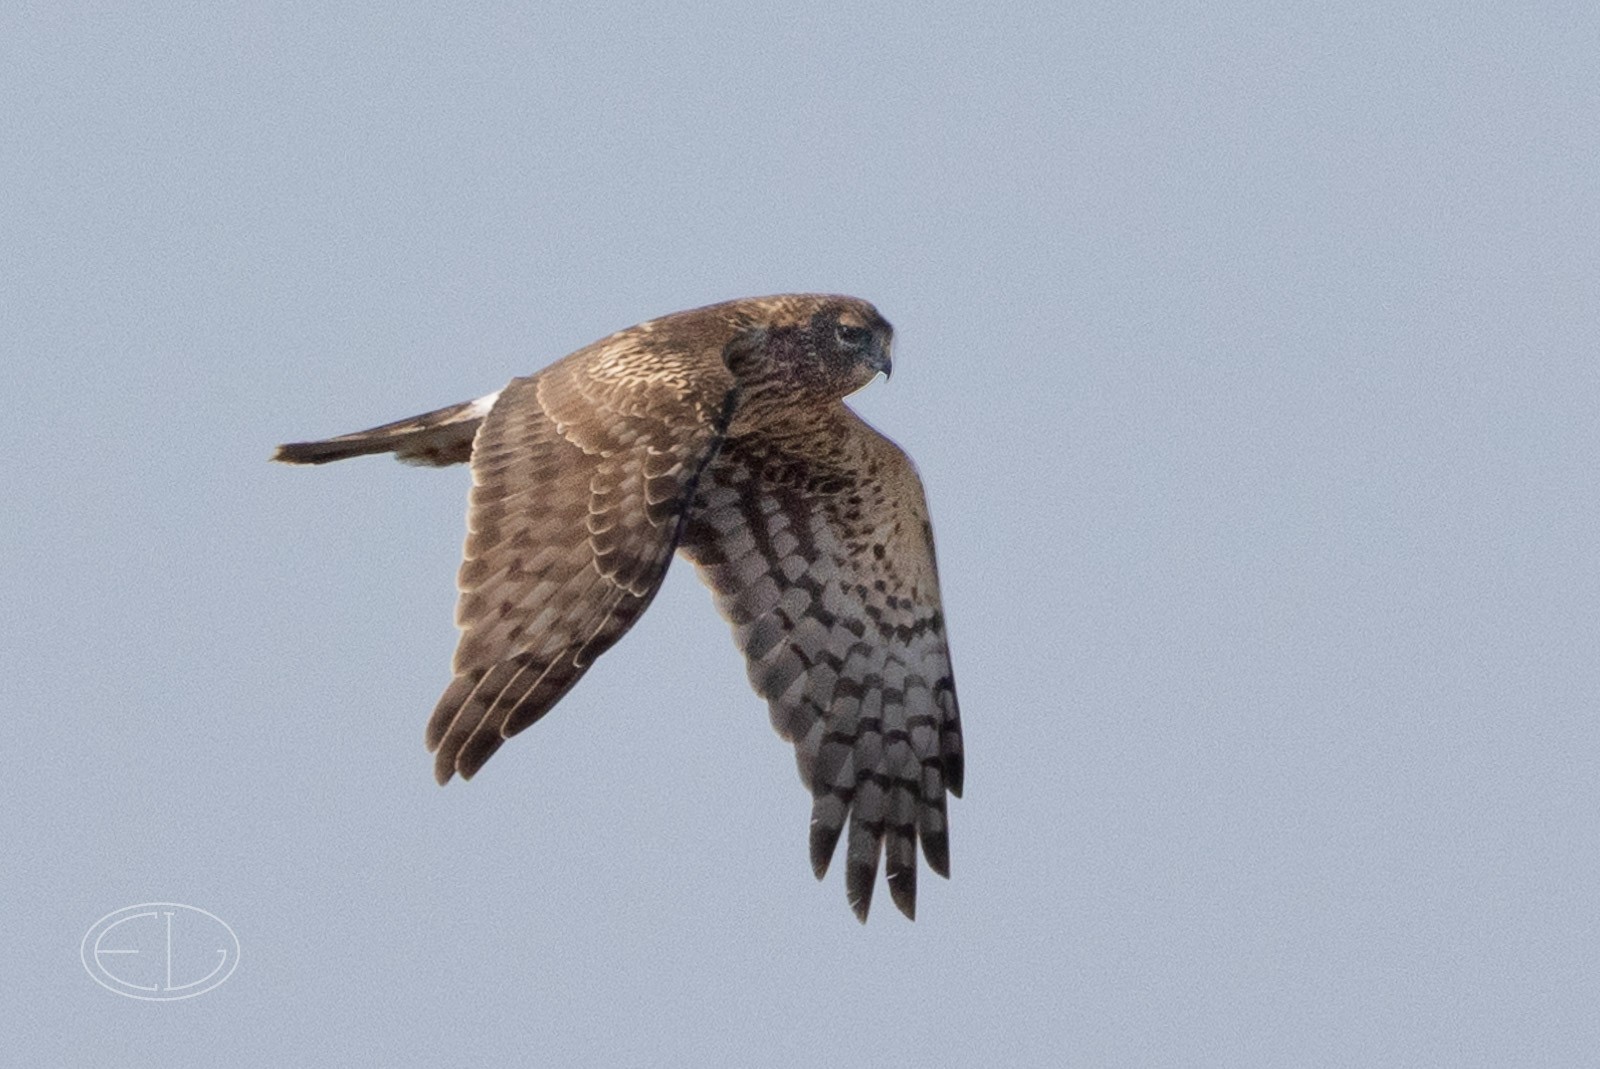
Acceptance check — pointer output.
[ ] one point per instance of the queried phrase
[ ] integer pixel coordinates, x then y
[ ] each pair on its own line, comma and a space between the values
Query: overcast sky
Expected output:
1248, 352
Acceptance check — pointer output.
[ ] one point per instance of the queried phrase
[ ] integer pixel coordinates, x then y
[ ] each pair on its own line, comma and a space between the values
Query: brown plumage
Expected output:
719, 433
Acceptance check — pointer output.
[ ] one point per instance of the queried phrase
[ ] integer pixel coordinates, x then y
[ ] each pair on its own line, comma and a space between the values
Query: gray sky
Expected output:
1248, 352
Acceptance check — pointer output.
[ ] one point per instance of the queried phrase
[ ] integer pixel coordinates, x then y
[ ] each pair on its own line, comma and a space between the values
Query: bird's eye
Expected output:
851, 335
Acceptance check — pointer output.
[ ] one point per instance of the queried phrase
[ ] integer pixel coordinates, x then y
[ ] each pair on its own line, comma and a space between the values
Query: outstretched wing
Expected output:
581, 477
821, 556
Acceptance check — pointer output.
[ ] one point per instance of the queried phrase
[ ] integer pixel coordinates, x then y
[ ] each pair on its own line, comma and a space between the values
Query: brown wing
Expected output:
821, 556
581, 475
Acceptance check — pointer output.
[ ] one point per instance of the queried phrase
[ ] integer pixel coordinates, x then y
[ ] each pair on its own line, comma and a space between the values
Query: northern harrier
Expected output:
719, 433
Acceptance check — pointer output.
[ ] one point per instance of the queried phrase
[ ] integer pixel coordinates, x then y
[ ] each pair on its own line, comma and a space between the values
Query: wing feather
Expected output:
820, 554
581, 477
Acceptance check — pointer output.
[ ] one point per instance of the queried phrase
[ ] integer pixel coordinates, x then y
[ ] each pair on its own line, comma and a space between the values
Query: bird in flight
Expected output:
719, 433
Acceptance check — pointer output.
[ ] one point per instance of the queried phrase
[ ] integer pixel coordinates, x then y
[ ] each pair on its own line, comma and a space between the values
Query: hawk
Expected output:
719, 433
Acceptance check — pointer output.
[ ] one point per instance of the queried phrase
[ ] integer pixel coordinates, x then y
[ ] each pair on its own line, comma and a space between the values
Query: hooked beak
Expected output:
881, 360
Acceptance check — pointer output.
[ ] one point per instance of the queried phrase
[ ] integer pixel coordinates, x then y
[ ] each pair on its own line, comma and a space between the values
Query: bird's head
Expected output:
821, 346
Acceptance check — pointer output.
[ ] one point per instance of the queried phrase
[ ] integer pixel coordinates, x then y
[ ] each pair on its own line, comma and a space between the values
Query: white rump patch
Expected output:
480, 408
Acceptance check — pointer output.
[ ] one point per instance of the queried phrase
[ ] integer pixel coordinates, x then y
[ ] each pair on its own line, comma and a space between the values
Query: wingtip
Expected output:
824, 841
954, 772
859, 880
903, 890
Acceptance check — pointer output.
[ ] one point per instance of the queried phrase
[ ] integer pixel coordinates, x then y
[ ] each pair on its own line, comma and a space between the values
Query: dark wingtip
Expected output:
444, 769
936, 848
904, 894
476, 751
824, 840
859, 877
954, 770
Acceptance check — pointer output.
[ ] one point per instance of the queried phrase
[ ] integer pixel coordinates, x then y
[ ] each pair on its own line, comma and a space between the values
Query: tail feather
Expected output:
434, 438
